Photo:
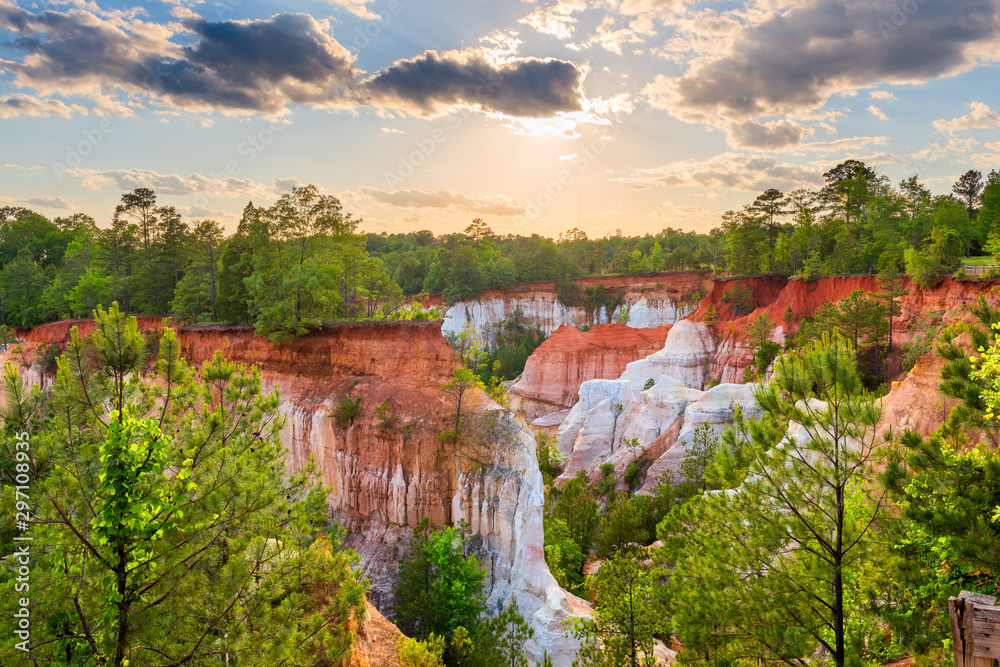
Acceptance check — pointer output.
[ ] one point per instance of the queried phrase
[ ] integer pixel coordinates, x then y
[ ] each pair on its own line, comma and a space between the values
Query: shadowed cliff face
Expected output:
649, 301
570, 357
386, 469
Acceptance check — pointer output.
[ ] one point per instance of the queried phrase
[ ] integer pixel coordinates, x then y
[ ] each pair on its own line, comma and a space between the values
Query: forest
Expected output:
152, 261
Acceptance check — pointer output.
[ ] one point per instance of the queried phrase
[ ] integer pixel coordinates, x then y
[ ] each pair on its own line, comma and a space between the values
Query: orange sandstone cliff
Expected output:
388, 471
696, 376
570, 357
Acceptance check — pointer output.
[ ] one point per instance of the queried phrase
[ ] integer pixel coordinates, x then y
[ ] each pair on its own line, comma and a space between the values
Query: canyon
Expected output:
617, 393
650, 411
386, 471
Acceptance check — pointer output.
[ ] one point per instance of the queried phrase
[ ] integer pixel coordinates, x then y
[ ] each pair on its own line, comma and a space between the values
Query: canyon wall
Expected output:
650, 301
653, 409
774, 295
570, 357
386, 472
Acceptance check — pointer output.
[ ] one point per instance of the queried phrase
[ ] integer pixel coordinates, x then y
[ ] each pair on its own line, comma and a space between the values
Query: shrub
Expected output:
384, 415
739, 299
347, 411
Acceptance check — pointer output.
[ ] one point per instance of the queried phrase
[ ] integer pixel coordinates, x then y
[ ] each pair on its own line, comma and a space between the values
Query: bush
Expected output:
49, 355
384, 415
739, 299
347, 411
550, 462
649, 384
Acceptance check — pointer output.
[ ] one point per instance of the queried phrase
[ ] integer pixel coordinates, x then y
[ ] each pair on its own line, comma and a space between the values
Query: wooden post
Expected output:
975, 629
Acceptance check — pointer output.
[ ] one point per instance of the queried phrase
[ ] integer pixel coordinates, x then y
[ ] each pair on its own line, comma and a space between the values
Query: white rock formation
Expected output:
504, 503
611, 413
549, 313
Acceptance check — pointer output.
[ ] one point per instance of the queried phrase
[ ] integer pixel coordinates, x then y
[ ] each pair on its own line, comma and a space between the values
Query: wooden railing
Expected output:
975, 629
979, 269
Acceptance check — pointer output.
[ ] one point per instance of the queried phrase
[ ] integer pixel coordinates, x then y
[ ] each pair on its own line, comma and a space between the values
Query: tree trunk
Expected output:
838, 582
211, 273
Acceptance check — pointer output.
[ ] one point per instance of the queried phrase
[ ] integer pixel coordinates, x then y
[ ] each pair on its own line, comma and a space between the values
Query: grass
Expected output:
985, 260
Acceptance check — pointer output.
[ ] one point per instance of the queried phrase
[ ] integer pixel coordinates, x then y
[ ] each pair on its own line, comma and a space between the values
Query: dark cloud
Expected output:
768, 136
264, 65
794, 60
255, 65
524, 87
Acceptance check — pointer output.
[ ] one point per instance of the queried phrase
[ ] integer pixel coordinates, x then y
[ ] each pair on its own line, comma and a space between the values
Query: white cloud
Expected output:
357, 7
556, 20
174, 184
877, 113
980, 117
728, 171
881, 95
27, 105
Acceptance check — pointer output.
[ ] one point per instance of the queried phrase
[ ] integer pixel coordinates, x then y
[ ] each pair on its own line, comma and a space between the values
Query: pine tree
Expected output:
893, 287
759, 572
172, 533
626, 619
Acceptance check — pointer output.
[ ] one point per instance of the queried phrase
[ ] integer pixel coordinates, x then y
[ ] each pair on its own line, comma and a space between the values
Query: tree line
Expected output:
860, 223
302, 261
288, 267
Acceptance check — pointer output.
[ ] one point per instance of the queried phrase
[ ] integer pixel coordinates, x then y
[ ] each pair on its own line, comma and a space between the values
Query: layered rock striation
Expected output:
648, 301
570, 357
653, 409
386, 468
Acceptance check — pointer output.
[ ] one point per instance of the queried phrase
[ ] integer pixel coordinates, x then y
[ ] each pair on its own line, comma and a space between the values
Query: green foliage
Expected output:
563, 554
346, 411
441, 588
621, 530
550, 461
499, 641
951, 538
757, 337
606, 485
785, 520
923, 333
576, 506
626, 619
463, 380
649, 384
959, 379
513, 342
416, 653
600, 298
383, 413
168, 515
738, 299
701, 451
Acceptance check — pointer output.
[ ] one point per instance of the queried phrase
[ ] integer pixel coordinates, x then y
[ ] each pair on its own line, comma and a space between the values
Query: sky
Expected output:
536, 115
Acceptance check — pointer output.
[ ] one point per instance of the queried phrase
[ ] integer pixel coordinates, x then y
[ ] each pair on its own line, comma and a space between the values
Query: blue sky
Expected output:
622, 114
